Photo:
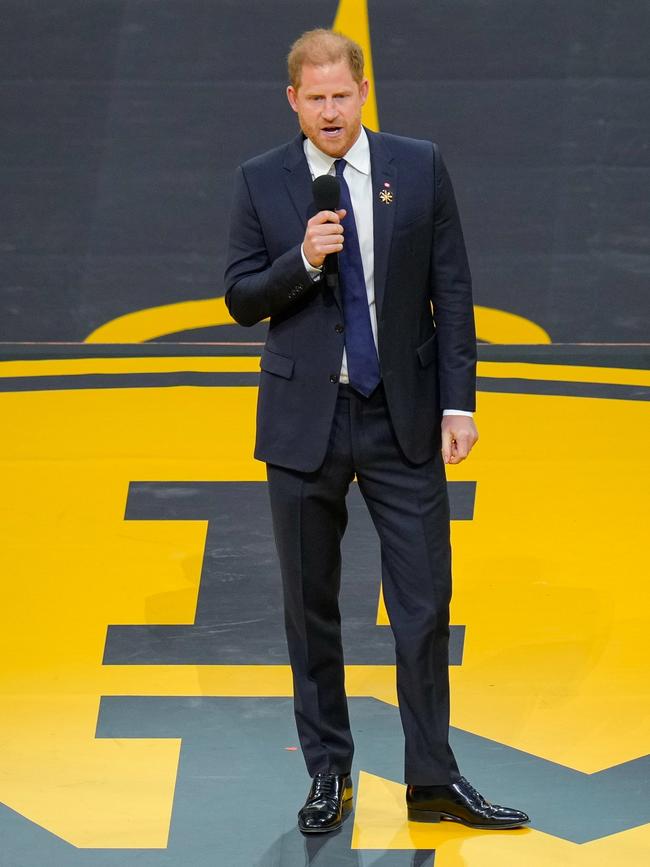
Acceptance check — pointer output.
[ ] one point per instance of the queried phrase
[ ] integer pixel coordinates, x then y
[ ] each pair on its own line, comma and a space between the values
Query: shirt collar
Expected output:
358, 156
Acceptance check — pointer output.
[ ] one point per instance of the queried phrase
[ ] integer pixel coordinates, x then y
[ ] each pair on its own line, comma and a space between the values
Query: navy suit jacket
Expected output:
425, 319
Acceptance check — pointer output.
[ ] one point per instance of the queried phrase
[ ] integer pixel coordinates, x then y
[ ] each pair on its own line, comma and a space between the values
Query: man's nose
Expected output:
330, 109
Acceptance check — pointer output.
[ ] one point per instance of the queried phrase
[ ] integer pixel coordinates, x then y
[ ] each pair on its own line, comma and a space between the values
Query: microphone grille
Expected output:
326, 191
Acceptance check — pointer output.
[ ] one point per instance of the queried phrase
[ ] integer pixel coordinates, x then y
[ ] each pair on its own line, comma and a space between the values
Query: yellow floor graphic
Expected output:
550, 577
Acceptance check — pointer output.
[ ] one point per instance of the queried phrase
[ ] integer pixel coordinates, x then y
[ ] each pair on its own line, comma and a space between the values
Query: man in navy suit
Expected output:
368, 374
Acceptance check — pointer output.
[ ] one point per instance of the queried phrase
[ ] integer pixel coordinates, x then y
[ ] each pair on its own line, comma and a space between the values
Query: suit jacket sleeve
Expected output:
256, 287
451, 296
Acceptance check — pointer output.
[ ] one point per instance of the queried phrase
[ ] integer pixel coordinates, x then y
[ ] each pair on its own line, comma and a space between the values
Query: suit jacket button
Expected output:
334, 377
338, 328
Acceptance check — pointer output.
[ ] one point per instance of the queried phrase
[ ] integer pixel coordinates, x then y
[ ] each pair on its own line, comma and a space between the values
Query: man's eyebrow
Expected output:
344, 91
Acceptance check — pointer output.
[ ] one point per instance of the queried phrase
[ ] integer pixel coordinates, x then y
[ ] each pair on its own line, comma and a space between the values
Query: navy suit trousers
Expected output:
409, 506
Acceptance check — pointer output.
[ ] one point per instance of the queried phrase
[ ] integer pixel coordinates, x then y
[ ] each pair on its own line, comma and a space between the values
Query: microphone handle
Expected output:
331, 270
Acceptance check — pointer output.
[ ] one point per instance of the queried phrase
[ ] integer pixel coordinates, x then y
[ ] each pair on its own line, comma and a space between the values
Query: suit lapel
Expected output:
383, 171
299, 184
298, 177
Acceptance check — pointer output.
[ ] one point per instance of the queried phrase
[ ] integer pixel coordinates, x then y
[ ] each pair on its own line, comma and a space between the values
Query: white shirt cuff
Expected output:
308, 266
457, 412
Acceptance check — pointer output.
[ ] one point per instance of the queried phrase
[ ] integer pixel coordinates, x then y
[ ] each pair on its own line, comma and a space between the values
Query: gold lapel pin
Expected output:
386, 196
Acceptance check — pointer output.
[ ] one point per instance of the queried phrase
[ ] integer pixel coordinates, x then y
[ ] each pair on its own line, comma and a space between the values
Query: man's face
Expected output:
328, 103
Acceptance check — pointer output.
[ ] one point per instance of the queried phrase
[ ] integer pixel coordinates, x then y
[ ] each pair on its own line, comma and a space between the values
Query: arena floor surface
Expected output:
146, 696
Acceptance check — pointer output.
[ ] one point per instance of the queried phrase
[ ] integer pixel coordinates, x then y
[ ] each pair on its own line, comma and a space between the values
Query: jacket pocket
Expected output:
427, 351
273, 362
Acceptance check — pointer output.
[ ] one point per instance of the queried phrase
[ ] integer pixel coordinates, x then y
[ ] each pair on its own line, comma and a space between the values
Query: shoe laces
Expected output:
478, 795
324, 784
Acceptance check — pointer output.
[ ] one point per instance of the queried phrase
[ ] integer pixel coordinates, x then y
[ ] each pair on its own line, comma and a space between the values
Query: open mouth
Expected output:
331, 131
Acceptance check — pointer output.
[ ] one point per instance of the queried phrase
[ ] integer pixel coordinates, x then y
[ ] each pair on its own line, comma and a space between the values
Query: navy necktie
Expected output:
363, 364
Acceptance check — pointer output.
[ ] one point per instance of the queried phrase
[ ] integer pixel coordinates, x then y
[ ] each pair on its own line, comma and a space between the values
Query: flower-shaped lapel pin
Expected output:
386, 195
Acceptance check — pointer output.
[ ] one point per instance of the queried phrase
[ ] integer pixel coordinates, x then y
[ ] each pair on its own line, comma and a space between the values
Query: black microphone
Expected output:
326, 191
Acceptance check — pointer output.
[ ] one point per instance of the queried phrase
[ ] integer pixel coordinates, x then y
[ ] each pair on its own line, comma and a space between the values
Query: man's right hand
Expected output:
324, 235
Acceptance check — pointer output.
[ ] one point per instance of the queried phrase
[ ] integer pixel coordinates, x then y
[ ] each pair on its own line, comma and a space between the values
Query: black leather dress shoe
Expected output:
459, 802
324, 807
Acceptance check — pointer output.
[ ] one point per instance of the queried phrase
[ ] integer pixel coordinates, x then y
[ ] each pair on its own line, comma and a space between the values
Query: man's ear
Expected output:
364, 87
291, 96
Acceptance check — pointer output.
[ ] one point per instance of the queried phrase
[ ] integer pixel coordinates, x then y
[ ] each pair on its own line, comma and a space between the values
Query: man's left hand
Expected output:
458, 436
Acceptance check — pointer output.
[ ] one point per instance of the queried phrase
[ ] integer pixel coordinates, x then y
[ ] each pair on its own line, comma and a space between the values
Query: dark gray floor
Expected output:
240, 568
228, 743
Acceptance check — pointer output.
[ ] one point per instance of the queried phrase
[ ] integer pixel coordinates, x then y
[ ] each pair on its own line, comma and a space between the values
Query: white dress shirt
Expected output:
359, 181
